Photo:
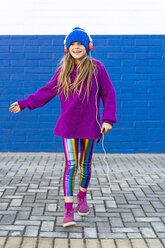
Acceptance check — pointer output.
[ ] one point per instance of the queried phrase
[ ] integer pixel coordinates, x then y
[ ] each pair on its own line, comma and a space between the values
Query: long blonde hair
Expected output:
84, 69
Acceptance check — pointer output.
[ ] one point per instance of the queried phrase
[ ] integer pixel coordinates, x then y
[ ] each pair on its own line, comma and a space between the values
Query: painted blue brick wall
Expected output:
136, 66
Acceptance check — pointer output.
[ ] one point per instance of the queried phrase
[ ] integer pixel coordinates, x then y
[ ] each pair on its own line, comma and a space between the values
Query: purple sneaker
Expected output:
68, 219
82, 207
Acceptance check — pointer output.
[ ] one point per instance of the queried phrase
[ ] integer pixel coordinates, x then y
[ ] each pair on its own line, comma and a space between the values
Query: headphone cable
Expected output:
108, 170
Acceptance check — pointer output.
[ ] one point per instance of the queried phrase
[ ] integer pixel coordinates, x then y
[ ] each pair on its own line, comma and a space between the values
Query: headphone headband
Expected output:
90, 39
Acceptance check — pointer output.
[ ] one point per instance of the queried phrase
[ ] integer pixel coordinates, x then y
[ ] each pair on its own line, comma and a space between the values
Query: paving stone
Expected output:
90, 232
96, 193
21, 208
23, 215
9, 191
158, 227
99, 208
58, 243
154, 243
15, 233
21, 188
148, 208
3, 206
41, 195
111, 204
137, 224
138, 243
112, 235
12, 197
11, 227
44, 184
128, 205
4, 200
116, 222
103, 227
127, 217
134, 235
31, 231
115, 187
125, 229
148, 219
161, 235
47, 226
92, 243
29, 242
75, 228
120, 199
45, 242
3, 233
130, 197
34, 186
74, 243
138, 212
75, 235
157, 204
29, 198
7, 219
123, 243
51, 207
53, 234
38, 211
13, 242
105, 243
16, 202
147, 232
163, 241
2, 241
27, 222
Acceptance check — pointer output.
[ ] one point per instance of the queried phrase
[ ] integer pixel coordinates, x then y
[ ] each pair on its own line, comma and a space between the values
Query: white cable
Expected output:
108, 171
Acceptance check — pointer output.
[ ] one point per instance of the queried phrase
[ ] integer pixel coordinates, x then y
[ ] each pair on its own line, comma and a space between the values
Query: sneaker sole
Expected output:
69, 224
83, 214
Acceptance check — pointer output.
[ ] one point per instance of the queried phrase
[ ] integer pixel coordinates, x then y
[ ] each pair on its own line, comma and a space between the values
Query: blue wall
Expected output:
136, 66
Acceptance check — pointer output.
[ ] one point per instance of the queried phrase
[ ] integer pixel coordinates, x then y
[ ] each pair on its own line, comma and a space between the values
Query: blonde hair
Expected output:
84, 69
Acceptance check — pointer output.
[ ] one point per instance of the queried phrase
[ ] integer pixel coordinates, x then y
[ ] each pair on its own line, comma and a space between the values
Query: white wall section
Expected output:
51, 17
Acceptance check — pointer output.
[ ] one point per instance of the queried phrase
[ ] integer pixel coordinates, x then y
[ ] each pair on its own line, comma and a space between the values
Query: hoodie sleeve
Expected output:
108, 96
42, 96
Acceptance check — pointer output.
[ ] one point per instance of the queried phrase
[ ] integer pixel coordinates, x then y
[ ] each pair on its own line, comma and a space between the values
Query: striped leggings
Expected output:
71, 154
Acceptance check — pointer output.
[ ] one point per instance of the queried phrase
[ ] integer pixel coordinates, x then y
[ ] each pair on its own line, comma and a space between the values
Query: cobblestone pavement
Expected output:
131, 215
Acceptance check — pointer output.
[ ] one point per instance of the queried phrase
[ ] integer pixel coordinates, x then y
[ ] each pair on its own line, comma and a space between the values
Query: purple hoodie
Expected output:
77, 118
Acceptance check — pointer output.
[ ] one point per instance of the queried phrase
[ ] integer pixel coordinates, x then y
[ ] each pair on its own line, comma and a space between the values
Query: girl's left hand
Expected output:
107, 127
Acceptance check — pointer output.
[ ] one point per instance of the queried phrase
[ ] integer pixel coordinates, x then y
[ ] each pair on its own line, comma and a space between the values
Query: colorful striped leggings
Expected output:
71, 154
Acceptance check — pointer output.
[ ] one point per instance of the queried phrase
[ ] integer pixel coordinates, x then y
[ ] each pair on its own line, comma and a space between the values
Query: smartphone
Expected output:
101, 135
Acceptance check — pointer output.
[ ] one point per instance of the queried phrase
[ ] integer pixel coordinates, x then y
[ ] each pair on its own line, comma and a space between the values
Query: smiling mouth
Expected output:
77, 52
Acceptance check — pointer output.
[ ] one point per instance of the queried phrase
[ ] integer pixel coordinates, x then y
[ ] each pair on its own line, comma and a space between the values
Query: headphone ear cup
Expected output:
90, 46
65, 49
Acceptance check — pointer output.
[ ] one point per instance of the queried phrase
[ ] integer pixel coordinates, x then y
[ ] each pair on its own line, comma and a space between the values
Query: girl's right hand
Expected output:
15, 108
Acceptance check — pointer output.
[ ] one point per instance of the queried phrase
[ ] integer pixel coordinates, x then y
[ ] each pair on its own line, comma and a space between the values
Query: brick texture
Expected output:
135, 64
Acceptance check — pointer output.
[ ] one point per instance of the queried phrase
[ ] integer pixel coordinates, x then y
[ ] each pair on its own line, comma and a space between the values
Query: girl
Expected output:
80, 83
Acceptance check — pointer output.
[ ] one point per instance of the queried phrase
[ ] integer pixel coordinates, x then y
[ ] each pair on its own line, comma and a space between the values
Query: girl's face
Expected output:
77, 50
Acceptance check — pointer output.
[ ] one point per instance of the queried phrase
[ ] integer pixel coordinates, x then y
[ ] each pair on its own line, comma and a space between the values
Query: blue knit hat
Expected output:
79, 35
